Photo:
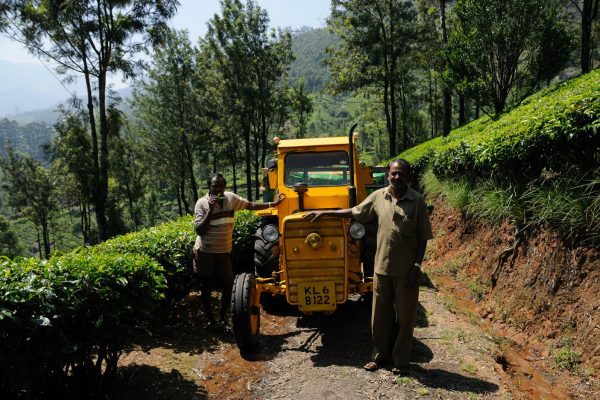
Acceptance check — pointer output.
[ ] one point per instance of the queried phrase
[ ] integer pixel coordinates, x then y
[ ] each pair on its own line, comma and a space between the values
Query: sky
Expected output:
193, 16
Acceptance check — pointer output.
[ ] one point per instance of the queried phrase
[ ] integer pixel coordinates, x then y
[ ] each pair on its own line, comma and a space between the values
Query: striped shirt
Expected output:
218, 237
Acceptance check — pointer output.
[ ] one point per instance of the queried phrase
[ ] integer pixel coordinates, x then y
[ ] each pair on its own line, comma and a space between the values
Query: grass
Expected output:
468, 367
455, 192
566, 203
568, 359
404, 381
450, 304
452, 266
478, 290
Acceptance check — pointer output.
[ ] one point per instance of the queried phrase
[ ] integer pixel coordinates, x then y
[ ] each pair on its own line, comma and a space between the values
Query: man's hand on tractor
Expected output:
314, 215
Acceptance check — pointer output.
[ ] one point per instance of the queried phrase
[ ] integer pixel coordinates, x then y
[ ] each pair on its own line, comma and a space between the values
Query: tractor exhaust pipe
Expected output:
351, 188
301, 188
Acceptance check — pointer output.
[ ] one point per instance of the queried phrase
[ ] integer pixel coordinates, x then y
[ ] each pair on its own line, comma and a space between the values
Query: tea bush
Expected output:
554, 128
170, 244
64, 322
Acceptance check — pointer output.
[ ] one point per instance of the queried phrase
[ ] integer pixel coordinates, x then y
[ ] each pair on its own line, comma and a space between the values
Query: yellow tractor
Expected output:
315, 265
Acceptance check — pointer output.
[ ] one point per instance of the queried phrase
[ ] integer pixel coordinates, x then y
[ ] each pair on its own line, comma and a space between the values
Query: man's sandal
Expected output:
404, 371
371, 366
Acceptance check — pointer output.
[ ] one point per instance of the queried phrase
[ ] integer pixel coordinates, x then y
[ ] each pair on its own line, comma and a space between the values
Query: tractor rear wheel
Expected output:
245, 312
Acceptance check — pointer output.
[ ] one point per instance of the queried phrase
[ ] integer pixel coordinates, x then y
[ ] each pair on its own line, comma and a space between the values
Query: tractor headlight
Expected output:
356, 231
270, 233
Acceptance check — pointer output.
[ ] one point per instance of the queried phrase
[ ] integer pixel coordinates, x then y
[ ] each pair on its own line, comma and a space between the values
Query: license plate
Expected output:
316, 296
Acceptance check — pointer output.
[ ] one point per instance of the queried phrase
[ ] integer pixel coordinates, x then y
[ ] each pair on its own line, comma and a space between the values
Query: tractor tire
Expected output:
245, 316
265, 262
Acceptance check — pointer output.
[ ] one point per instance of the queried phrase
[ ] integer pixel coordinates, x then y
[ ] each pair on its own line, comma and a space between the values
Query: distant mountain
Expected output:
29, 87
31, 93
309, 46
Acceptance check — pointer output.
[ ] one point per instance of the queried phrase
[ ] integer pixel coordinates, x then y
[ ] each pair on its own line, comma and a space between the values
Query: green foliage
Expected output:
242, 256
567, 358
537, 49
555, 128
494, 203
376, 54
32, 191
565, 204
170, 113
64, 322
307, 68
9, 241
170, 244
456, 192
31, 138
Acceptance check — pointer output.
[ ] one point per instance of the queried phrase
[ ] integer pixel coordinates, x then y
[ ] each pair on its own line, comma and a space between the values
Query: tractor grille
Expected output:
305, 264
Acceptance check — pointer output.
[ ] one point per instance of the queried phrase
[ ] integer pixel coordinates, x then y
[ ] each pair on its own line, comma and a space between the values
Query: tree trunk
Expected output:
46, 238
102, 189
247, 161
388, 119
431, 106
588, 14
447, 122
462, 112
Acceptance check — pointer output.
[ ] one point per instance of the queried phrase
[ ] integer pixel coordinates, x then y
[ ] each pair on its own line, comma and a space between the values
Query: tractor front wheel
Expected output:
245, 312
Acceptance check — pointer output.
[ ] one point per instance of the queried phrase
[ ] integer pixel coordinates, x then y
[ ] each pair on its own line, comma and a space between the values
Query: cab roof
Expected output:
324, 141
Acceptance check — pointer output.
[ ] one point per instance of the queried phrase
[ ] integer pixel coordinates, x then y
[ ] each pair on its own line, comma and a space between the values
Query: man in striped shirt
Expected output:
214, 227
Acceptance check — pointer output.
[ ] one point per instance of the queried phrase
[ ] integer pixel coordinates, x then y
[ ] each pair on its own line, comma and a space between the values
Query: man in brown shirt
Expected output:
404, 229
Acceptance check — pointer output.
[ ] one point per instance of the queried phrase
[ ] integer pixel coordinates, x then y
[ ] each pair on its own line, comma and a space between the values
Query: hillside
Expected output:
309, 47
517, 218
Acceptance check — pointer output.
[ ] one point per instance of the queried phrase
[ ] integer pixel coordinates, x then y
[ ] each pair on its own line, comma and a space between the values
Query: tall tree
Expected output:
374, 36
171, 123
447, 118
9, 241
494, 45
302, 107
252, 64
31, 191
92, 39
72, 155
588, 9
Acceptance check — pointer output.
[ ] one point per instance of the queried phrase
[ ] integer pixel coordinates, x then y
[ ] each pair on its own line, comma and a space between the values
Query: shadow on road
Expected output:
182, 330
145, 382
440, 379
345, 336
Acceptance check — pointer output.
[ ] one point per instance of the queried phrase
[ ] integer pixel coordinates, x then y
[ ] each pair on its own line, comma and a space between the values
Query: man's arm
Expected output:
202, 224
421, 246
202, 218
262, 206
315, 215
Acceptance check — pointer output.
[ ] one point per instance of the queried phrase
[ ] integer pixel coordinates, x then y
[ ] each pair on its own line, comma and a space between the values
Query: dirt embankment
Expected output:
515, 340
546, 297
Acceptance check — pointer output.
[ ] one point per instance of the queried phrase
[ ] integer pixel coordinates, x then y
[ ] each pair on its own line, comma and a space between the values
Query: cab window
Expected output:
317, 168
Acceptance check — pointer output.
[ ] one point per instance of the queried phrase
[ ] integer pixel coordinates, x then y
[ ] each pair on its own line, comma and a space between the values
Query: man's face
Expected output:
398, 176
217, 186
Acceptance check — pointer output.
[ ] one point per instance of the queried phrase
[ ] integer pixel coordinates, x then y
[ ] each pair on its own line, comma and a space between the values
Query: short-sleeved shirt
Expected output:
403, 223
219, 235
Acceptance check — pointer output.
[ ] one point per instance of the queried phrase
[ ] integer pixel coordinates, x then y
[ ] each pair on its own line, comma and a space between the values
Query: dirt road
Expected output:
321, 357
